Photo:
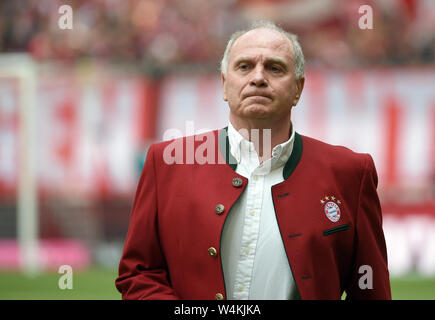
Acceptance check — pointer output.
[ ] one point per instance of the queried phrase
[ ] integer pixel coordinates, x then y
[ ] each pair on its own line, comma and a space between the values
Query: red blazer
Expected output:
174, 222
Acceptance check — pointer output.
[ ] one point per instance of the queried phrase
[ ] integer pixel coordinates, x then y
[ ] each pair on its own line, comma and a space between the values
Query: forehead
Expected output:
262, 41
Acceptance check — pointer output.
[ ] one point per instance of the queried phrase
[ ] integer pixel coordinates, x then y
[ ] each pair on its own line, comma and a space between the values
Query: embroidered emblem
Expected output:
331, 208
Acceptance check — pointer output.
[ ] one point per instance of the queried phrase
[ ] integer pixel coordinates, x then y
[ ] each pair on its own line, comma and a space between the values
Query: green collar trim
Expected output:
224, 147
294, 158
289, 167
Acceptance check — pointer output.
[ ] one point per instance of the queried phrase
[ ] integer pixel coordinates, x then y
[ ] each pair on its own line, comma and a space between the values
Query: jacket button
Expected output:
219, 296
219, 209
212, 252
237, 182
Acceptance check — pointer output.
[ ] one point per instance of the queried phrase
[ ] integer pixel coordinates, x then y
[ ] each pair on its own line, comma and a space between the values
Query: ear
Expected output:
223, 87
299, 87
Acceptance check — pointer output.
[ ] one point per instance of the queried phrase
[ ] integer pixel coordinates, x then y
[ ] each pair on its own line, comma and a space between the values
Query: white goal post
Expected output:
20, 68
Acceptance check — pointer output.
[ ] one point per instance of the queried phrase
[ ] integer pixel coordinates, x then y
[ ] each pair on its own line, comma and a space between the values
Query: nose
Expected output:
258, 78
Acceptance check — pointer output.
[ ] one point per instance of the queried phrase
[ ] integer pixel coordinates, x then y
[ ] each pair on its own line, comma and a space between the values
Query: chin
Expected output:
257, 111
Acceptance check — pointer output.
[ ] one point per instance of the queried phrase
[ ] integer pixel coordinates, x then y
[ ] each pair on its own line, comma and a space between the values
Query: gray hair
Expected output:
298, 56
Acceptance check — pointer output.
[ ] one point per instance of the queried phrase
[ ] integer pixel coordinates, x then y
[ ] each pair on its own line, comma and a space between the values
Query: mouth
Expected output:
258, 96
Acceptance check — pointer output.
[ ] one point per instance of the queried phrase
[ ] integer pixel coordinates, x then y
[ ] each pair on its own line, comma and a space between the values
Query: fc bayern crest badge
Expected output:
331, 208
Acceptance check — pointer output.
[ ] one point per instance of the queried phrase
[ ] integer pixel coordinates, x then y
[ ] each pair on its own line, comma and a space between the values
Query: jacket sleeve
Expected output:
143, 272
369, 277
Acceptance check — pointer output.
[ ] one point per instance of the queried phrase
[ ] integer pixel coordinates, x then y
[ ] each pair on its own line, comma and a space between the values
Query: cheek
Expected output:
285, 96
233, 91
234, 81
289, 92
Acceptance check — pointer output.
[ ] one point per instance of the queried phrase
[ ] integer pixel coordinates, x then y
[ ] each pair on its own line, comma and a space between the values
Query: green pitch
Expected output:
99, 284
92, 284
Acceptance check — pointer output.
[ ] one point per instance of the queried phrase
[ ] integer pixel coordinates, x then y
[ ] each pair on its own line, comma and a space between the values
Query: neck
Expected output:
264, 135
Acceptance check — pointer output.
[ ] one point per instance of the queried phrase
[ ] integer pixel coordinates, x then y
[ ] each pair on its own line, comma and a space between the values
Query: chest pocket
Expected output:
336, 229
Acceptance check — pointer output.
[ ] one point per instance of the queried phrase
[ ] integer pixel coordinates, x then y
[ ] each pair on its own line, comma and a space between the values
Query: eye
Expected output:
243, 66
275, 69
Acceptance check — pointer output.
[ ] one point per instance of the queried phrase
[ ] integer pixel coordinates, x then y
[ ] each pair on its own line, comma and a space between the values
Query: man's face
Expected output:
260, 81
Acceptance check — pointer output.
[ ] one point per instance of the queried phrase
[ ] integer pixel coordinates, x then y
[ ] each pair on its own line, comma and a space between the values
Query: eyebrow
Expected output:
269, 60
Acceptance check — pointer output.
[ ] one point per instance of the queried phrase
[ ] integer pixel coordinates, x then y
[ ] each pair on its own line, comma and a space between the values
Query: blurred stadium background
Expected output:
78, 109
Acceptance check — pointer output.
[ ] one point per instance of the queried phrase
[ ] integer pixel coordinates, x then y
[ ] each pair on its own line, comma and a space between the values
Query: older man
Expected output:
283, 216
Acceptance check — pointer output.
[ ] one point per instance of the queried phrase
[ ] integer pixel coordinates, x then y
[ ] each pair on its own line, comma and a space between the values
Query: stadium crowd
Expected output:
172, 33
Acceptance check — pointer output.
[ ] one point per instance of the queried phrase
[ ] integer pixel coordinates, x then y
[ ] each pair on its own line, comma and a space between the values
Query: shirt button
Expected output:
237, 182
252, 212
219, 209
212, 252
241, 288
247, 250
255, 178
219, 296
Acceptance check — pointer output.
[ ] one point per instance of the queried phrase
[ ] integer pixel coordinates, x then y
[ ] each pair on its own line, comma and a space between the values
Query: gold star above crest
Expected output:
333, 198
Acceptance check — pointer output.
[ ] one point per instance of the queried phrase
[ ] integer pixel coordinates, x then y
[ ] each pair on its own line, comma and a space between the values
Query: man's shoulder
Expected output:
338, 154
196, 138
199, 148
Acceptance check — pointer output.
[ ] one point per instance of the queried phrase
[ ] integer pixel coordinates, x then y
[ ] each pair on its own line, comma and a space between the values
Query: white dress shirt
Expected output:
254, 260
